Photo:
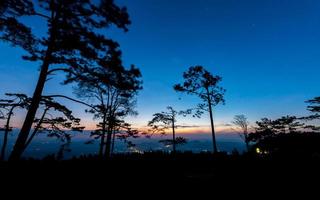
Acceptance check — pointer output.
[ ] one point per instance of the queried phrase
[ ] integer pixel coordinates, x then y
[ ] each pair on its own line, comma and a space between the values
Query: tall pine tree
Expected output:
73, 42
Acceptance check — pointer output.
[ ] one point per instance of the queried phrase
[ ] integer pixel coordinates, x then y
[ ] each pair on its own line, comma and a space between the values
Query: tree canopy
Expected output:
200, 82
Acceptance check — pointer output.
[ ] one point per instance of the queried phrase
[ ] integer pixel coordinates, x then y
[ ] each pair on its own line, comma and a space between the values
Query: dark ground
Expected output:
163, 172
184, 168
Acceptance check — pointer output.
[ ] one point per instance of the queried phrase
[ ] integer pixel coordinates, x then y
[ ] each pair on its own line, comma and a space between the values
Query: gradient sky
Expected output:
267, 51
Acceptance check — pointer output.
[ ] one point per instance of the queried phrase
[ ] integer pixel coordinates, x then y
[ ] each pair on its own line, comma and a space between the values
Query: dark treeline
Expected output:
288, 135
75, 45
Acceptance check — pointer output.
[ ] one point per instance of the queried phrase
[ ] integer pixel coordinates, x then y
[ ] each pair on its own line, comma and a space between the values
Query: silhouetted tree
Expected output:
56, 120
164, 121
176, 141
285, 135
314, 108
314, 105
200, 82
72, 43
242, 122
288, 124
124, 131
7, 107
65, 147
49, 122
114, 93
268, 128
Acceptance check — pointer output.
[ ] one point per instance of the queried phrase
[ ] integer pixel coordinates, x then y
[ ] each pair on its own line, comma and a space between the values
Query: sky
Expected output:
267, 53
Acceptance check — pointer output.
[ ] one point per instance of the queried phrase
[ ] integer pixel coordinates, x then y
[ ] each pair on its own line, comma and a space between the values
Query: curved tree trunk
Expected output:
173, 138
214, 142
35, 131
26, 127
36, 98
6, 133
37, 95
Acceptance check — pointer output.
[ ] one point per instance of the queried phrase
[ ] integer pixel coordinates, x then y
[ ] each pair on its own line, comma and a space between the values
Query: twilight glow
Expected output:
268, 58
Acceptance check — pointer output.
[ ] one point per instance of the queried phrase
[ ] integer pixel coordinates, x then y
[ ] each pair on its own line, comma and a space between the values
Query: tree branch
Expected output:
59, 69
41, 15
71, 99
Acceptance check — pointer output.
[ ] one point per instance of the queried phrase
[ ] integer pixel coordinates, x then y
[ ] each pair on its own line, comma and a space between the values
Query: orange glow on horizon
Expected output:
189, 130
89, 126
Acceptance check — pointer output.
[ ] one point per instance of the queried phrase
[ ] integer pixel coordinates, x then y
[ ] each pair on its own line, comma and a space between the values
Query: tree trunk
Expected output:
6, 133
102, 136
26, 127
108, 143
35, 131
247, 145
113, 141
173, 138
101, 144
246, 141
214, 142
36, 98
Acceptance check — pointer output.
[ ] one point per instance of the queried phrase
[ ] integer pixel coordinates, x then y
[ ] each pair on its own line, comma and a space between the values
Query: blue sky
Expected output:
267, 52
